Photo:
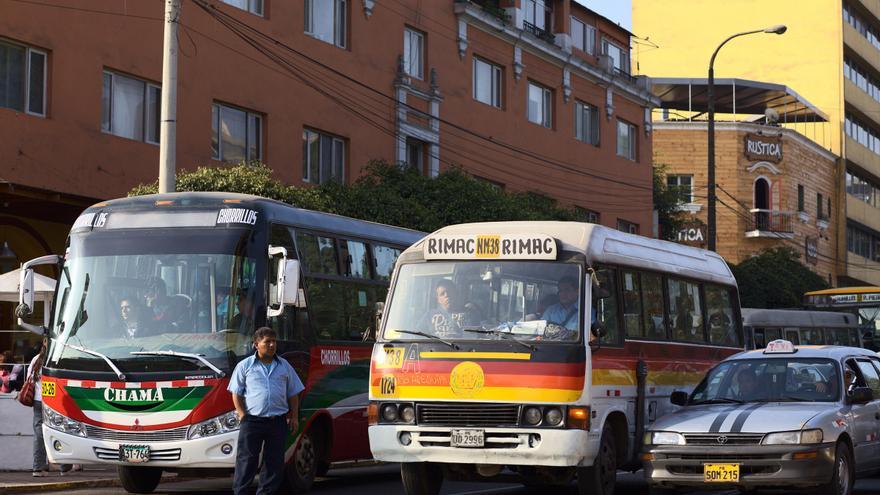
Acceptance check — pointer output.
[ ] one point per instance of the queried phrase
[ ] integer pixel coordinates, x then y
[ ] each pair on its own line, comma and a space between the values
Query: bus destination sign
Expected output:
490, 246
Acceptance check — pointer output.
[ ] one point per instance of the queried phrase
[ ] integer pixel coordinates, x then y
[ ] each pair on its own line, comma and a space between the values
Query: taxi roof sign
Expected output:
780, 346
490, 246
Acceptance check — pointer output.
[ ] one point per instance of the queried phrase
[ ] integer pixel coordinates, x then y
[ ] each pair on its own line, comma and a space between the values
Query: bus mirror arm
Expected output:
26, 295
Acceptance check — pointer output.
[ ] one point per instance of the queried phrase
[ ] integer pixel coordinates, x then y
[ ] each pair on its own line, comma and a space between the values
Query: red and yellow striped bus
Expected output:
543, 347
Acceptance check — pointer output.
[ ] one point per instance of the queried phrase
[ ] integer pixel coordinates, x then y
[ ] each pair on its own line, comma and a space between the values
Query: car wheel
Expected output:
601, 477
843, 474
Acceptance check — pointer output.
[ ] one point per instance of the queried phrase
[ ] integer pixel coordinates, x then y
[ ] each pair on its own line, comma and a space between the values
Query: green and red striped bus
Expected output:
157, 301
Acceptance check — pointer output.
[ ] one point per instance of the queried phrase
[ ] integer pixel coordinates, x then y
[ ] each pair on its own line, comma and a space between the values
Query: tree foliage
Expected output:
667, 204
385, 193
775, 279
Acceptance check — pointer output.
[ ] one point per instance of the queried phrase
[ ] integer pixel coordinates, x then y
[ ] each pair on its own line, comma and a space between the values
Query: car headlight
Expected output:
793, 437
664, 438
57, 421
214, 426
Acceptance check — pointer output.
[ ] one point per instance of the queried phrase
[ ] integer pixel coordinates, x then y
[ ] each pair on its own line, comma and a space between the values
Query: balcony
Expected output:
491, 7
771, 224
539, 32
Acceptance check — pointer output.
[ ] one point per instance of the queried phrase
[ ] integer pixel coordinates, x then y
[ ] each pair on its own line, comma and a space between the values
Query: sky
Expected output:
619, 11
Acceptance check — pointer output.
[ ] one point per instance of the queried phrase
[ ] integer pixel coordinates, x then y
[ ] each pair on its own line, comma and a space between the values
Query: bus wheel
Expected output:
139, 479
601, 477
303, 465
421, 478
323, 467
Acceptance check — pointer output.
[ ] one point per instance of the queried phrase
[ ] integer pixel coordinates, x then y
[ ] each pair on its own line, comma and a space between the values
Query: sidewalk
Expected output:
92, 476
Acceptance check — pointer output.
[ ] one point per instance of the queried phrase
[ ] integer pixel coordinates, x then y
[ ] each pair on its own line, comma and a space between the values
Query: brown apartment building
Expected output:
531, 95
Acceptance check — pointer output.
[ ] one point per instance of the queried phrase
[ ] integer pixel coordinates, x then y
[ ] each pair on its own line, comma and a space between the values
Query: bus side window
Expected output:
792, 336
722, 327
293, 324
684, 311
318, 253
606, 309
760, 341
355, 262
652, 291
632, 304
772, 334
384, 258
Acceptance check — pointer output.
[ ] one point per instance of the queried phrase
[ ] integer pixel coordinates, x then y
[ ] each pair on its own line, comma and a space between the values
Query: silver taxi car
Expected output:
782, 417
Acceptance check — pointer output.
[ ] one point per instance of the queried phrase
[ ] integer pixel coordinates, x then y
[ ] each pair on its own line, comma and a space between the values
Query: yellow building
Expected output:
830, 53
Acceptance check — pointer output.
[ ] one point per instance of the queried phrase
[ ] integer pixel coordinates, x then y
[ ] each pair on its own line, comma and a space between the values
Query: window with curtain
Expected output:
540, 105
487, 82
252, 6
626, 140
130, 107
22, 78
327, 20
583, 36
414, 53
586, 123
323, 157
237, 134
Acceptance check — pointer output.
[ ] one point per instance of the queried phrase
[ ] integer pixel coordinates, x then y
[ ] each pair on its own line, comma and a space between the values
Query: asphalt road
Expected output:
385, 480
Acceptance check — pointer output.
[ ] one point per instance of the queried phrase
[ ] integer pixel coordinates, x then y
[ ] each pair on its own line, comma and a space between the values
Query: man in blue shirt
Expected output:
264, 390
564, 314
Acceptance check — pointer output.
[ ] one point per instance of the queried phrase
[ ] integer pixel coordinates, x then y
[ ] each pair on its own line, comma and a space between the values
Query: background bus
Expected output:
800, 327
511, 385
202, 271
863, 302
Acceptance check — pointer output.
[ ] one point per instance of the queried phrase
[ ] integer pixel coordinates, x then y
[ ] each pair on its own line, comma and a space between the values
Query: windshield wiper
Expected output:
506, 335
718, 400
98, 354
184, 355
433, 337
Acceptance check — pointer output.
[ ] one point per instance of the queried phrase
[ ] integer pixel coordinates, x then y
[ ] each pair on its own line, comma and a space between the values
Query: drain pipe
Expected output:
641, 411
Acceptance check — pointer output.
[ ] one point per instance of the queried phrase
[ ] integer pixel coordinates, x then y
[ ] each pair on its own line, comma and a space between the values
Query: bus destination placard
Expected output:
490, 246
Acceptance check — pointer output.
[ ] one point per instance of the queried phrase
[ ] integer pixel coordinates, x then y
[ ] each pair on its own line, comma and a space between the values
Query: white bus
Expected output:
485, 358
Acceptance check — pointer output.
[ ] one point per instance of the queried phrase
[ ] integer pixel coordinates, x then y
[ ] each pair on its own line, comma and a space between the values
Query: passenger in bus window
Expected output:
169, 314
245, 314
564, 314
132, 315
450, 315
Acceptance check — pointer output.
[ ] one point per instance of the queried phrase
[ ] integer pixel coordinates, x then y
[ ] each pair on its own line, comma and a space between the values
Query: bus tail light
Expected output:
373, 414
579, 417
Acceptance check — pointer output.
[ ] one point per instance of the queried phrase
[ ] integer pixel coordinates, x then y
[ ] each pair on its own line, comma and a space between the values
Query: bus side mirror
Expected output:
26, 295
679, 398
286, 282
861, 395
370, 333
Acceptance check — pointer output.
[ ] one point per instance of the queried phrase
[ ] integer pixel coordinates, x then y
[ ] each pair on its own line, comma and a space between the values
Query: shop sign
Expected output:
811, 249
692, 234
767, 148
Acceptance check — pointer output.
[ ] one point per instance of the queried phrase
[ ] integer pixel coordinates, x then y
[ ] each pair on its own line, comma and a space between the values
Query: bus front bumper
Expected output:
503, 446
207, 452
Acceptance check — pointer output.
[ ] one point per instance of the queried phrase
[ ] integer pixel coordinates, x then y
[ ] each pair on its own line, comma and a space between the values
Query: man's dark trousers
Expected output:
270, 434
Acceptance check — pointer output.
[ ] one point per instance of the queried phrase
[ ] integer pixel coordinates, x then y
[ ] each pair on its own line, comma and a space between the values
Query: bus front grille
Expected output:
137, 436
155, 455
467, 414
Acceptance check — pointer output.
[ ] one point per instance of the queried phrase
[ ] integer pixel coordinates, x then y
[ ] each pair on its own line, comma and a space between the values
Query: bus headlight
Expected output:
214, 426
396, 413
532, 415
552, 416
388, 413
57, 421
407, 413
664, 438
793, 437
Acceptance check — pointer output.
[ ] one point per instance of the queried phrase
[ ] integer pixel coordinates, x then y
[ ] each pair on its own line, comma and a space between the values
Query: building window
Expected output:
252, 6
861, 78
22, 78
628, 227
587, 215
626, 140
538, 15
414, 53
487, 83
326, 20
800, 198
583, 36
861, 26
682, 186
323, 157
540, 105
237, 135
862, 133
586, 123
820, 215
862, 189
130, 107
862, 243
619, 56
415, 154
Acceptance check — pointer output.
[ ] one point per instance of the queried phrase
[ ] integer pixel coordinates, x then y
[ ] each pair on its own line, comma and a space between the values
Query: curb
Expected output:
72, 485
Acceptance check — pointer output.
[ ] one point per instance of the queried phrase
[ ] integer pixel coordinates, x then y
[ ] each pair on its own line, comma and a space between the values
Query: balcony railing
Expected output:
770, 223
539, 32
493, 8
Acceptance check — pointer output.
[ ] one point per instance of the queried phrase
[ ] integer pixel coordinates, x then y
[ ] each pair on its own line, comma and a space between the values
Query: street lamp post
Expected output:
711, 141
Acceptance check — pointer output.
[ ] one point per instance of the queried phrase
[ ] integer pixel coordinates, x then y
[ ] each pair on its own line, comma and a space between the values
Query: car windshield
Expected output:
499, 300
770, 380
186, 291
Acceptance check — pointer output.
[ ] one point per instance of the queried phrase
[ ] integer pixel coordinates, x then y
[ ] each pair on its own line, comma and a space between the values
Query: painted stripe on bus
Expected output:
486, 393
469, 356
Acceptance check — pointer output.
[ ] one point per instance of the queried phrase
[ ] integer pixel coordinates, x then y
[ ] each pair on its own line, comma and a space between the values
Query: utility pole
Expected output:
168, 125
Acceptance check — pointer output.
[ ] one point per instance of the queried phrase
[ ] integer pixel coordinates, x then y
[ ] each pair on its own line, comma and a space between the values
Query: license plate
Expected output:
467, 438
721, 473
134, 453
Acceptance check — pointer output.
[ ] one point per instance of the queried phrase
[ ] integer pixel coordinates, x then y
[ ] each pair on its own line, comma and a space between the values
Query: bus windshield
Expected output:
498, 300
185, 291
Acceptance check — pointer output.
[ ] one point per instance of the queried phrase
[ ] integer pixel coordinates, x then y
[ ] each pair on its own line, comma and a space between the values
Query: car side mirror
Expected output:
679, 398
861, 395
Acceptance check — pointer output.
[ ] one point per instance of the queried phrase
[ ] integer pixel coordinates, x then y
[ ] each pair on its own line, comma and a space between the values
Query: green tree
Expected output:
775, 279
667, 204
